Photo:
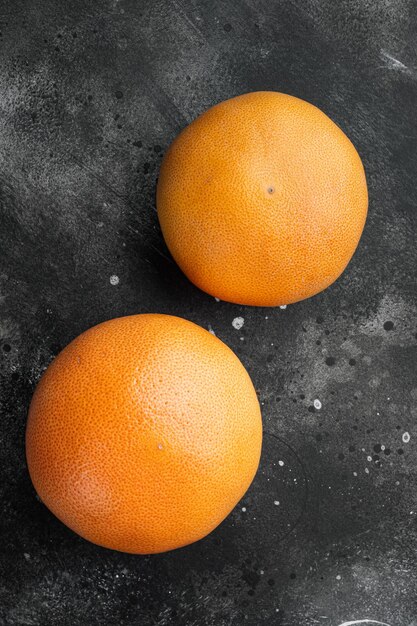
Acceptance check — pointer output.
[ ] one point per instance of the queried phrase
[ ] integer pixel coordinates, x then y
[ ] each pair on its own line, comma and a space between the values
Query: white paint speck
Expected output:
338, 577
366, 470
160, 446
262, 572
283, 306
217, 299
243, 509
281, 463
211, 331
397, 483
355, 473
406, 437
317, 404
369, 458
276, 502
238, 323
266, 317
114, 280
382, 448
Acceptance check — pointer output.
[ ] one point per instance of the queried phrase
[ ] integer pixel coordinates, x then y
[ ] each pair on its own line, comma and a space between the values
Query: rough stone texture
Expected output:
91, 94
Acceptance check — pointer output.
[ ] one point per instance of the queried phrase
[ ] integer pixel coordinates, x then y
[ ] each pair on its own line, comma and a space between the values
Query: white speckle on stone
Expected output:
382, 448
216, 299
355, 473
211, 331
26, 555
276, 502
242, 339
366, 470
281, 463
114, 280
406, 437
317, 404
262, 572
397, 483
283, 306
238, 323
369, 458
266, 317
243, 509
338, 577
100, 224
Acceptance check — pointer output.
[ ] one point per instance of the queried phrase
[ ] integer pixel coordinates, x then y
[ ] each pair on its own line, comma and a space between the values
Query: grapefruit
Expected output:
144, 433
262, 200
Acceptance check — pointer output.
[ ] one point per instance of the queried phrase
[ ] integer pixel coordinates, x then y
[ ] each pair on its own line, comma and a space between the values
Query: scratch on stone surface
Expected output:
185, 17
364, 621
162, 254
307, 478
94, 175
392, 62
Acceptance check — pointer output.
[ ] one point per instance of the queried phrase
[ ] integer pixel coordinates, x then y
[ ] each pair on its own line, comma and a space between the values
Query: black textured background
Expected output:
91, 94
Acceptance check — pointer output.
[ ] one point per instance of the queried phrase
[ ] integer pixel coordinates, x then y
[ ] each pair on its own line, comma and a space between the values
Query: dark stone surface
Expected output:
91, 94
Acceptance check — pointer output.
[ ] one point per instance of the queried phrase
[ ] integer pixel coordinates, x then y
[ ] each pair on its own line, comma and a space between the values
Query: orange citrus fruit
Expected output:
262, 200
144, 433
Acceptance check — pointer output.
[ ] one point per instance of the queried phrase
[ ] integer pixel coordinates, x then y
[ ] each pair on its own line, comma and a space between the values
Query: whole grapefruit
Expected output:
144, 433
262, 200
